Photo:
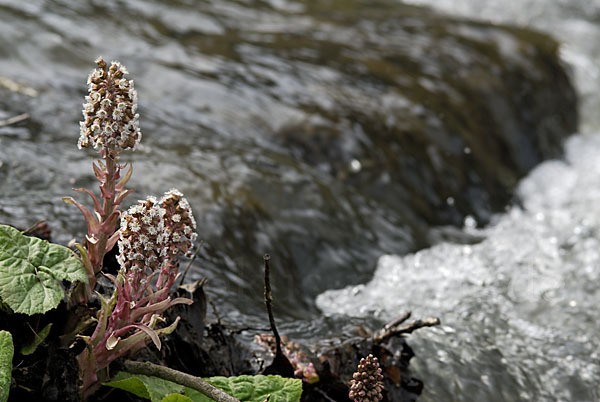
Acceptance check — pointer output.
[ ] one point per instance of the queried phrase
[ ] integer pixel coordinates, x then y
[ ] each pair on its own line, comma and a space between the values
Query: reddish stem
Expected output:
108, 194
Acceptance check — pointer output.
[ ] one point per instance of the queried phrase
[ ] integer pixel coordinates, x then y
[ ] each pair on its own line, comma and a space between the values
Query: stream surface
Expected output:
518, 307
519, 310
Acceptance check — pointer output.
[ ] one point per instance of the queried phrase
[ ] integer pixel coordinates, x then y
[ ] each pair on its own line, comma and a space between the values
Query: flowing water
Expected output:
274, 119
519, 309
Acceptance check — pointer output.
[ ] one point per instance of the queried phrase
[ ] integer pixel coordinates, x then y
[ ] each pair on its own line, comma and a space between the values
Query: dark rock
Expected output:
223, 351
50, 373
199, 348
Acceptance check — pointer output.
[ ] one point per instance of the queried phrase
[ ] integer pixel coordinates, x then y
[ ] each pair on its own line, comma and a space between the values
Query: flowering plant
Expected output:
152, 234
110, 126
303, 367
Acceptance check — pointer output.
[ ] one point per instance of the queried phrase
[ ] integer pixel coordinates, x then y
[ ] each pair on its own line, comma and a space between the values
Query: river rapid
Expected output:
223, 83
519, 309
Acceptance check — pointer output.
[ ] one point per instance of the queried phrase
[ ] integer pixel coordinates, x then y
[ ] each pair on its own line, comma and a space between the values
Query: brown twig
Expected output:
14, 86
398, 321
191, 261
33, 227
13, 120
389, 332
169, 374
281, 364
268, 303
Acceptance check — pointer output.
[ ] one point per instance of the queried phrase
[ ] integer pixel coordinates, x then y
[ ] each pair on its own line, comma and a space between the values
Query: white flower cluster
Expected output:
154, 233
110, 120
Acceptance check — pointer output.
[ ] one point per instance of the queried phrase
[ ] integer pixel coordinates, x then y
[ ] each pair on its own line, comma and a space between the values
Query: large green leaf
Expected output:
31, 270
254, 388
7, 351
246, 388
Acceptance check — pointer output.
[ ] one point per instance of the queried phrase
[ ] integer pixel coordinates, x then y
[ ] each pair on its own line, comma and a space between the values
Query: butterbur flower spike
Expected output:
151, 237
367, 382
153, 234
110, 122
179, 233
110, 125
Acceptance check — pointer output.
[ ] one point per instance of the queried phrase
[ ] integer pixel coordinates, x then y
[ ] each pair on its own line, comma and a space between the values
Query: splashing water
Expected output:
519, 308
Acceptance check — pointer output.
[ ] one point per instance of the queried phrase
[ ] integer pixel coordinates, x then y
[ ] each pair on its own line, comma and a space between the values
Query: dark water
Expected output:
265, 114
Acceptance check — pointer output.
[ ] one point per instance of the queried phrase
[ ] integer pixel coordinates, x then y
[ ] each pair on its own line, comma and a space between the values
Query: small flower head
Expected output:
179, 222
153, 234
367, 381
110, 123
138, 255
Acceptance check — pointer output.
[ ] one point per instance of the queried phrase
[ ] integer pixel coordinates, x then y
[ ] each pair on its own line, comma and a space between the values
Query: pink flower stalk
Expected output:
152, 236
367, 382
110, 126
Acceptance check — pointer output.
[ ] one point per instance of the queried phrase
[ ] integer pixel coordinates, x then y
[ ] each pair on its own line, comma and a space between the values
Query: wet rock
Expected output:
339, 362
327, 133
220, 350
199, 348
429, 113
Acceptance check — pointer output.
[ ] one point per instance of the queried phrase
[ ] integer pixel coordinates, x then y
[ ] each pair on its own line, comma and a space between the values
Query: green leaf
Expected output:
39, 338
257, 388
31, 270
152, 388
7, 351
246, 388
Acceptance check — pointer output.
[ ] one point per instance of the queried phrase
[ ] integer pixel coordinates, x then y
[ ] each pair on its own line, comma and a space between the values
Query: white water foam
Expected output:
519, 310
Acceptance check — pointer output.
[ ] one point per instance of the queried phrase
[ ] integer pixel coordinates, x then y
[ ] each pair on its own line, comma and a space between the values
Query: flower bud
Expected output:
367, 382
